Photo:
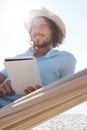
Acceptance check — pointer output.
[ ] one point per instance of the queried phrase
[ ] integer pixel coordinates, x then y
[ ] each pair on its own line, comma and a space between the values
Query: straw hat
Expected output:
46, 13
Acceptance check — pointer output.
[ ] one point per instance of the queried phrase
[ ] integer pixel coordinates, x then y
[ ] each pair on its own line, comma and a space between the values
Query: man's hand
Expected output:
6, 89
30, 89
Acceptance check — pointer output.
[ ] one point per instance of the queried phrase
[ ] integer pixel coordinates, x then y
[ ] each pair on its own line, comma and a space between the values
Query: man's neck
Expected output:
41, 51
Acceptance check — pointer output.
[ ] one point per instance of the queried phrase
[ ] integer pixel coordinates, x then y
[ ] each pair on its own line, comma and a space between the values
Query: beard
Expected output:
39, 44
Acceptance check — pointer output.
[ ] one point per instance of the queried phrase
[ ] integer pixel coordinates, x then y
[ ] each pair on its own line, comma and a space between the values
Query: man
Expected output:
47, 31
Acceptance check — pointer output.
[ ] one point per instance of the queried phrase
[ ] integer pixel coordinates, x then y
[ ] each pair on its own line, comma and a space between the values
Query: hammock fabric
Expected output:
45, 103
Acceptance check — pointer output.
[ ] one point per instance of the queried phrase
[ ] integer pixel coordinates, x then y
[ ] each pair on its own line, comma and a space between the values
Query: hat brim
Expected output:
46, 13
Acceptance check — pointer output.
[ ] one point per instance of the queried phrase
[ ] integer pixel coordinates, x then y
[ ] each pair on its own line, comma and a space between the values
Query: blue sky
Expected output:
13, 36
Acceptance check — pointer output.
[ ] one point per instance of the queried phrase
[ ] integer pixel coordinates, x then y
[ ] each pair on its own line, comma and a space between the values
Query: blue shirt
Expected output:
53, 66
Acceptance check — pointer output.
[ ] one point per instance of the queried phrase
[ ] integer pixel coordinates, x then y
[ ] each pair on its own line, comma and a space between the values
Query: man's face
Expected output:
40, 33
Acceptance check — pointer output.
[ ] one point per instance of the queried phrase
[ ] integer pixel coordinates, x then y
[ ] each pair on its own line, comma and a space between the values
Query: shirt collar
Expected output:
52, 52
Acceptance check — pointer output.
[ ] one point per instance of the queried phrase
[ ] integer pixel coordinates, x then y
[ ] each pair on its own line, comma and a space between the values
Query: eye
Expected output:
41, 26
44, 26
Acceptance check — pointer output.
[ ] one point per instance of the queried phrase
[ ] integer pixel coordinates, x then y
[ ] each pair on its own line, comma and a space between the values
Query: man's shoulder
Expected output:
66, 54
62, 54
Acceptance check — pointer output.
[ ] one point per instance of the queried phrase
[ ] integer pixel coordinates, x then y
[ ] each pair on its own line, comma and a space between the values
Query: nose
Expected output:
37, 27
36, 30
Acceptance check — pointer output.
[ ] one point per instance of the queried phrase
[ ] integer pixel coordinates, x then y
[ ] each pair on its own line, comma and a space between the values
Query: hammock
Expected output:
45, 103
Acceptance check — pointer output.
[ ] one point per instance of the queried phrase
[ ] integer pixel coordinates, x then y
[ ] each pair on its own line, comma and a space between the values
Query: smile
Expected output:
38, 36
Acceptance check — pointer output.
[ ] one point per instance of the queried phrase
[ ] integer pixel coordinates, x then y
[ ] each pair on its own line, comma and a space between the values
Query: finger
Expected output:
8, 82
27, 91
31, 89
9, 88
3, 90
6, 89
1, 94
11, 93
37, 86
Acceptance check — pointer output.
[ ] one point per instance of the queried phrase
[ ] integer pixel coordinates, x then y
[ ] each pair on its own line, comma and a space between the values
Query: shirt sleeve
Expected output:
4, 72
68, 66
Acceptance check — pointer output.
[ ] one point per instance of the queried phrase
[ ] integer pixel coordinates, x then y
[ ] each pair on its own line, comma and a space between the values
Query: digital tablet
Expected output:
22, 72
